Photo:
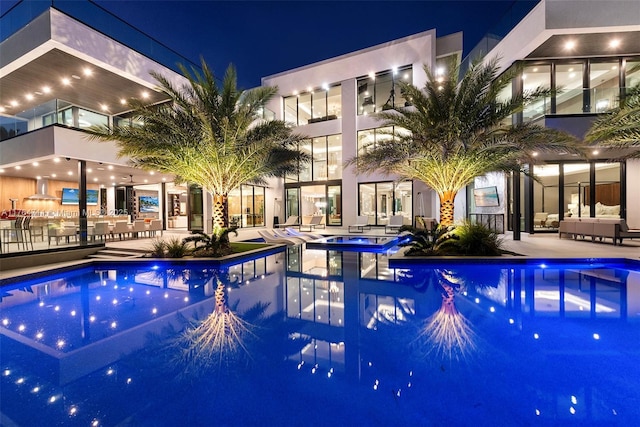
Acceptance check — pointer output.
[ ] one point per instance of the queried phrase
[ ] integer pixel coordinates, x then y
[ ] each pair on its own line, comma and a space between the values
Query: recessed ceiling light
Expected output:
595, 152
38, 177
295, 92
164, 179
570, 45
35, 164
56, 160
145, 94
123, 101
53, 175
66, 81
104, 107
70, 173
535, 70
152, 173
372, 75
146, 180
13, 103
112, 177
87, 71
18, 168
2, 109
89, 170
110, 167
46, 89
1, 170
95, 179
614, 43
29, 97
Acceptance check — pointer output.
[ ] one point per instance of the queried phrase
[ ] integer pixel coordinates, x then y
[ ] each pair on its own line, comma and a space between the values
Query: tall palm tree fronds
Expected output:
208, 134
455, 130
620, 127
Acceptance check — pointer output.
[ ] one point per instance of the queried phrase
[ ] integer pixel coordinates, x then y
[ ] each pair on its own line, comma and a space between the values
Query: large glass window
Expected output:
380, 200
607, 191
326, 159
576, 179
632, 73
381, 91
334, 162
604, 87
368, 139
334, 204
569, 99
534, 77
246, 206
546, 203
314, 106
320, 159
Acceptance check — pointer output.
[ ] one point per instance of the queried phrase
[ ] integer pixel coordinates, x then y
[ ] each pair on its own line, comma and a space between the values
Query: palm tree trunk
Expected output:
446, 207
220, 211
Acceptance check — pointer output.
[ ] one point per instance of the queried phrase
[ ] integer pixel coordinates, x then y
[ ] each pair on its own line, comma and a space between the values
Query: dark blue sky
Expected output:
267, 37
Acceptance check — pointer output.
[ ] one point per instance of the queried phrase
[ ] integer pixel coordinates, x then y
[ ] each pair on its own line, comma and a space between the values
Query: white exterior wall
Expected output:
417, 50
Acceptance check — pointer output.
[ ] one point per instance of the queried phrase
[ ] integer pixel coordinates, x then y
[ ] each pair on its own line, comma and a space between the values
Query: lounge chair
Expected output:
316, 222
626, 233
362, 223
271, 237
287, 235
395, 222
292, 220
304, 235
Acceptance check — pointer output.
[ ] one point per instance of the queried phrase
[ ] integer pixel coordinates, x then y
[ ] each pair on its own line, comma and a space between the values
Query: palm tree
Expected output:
209, 135
457, 131
620, 127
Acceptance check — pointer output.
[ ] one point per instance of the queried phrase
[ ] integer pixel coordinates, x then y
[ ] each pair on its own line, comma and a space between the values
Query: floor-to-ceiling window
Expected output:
381, 91
317, 188
314, 105
380, 200
569, 88
246, 206
546, 203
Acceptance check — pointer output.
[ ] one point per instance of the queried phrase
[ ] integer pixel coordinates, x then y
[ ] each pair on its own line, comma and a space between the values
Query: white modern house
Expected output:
61, 71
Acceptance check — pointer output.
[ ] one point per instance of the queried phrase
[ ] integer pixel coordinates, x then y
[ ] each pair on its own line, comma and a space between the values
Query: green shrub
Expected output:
470, 239
176, 248
158, 248
465, 239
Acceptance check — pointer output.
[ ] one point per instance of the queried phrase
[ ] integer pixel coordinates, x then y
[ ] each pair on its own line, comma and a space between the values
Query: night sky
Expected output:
267, 37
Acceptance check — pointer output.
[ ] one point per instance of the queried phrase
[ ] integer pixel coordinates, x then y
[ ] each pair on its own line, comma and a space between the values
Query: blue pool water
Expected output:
323, 337
358, 243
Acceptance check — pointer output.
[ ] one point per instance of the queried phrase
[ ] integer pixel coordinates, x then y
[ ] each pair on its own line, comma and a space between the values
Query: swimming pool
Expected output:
340, 337
358, 243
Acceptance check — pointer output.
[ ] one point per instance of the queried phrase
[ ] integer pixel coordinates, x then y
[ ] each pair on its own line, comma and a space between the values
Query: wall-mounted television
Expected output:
486, 197
70, 196
148, 204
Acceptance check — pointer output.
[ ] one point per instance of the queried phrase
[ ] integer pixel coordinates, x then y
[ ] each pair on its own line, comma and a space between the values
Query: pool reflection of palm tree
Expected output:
447, 331
222, 335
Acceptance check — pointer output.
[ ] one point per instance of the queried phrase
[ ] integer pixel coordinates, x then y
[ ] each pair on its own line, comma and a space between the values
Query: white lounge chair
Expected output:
304, 235
316, 222
292, 220
362, 223
287, 235
270, 237
395, 222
